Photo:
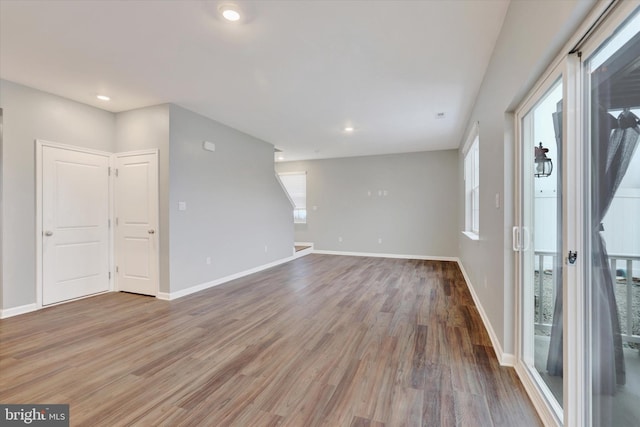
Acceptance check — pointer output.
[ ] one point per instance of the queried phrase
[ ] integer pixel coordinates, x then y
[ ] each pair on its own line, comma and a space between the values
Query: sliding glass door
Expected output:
612, 105
577, 230
538, 240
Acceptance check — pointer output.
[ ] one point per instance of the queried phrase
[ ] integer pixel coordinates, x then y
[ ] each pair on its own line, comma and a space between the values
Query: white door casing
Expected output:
75, 239
136, 222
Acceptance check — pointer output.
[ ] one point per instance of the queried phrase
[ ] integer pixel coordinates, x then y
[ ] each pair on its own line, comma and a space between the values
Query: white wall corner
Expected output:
505, 359
202, 286
166, 296
508, 359
15, 311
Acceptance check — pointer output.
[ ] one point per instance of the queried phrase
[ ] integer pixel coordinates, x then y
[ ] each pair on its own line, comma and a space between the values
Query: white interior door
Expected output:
75, 224
136, 207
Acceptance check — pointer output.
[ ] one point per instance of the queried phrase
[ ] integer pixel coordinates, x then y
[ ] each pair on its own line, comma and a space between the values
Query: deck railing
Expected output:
626, 311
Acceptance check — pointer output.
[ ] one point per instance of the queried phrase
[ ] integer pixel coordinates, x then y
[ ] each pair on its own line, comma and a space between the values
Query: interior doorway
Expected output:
136, 219
74, 223
97, 222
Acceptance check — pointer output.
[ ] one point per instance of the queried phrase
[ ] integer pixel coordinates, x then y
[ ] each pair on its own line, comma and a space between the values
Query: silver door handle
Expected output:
152, 231
48, 233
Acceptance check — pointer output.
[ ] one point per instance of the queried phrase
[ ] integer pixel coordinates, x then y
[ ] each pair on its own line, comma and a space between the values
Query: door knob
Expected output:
152, 231
48, 233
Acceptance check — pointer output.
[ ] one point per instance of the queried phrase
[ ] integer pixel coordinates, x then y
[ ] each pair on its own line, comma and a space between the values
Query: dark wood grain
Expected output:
320, 341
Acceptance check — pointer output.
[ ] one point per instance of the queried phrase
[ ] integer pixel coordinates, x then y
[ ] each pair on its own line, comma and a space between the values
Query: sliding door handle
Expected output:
526, 239
515, 238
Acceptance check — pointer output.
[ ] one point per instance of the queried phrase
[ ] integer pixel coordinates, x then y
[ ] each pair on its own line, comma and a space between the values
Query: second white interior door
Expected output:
136, 212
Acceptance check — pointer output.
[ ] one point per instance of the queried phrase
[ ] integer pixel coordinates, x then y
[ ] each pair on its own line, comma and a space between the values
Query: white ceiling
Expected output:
293, 73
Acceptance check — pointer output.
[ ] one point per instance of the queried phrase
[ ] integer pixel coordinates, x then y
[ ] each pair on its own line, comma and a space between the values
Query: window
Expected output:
295, 184
472, 187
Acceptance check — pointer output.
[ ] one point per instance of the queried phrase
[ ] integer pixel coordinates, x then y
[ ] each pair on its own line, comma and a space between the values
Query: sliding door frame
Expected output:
544, 401
578, 345
577, 383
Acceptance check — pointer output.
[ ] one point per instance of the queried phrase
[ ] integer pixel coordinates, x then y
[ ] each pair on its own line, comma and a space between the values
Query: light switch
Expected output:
182, 206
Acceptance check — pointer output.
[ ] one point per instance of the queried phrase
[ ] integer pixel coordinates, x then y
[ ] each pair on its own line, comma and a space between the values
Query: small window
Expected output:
472, 188
295, 183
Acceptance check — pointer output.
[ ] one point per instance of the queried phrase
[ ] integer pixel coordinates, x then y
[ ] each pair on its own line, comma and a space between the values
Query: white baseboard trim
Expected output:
505, 359
381, 255
15, 311
508, 359
545, 412
202, 286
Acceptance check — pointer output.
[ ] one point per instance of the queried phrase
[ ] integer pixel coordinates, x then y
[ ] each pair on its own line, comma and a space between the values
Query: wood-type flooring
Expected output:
320, 341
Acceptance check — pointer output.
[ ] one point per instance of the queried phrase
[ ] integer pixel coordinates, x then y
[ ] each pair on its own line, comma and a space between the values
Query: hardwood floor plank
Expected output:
320, 341
363, 422
309, 411
418, 363
224, 373
406, 407
471, 410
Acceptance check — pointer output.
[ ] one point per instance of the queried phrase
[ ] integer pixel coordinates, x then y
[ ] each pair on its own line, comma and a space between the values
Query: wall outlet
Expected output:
266, 249
208, 260
182, 206
340, 239
497, 200
208, 145
380, 240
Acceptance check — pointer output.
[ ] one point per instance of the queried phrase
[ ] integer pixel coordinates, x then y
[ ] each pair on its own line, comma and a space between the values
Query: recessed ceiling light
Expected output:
103, 97
230, 12
280, 157
348, 129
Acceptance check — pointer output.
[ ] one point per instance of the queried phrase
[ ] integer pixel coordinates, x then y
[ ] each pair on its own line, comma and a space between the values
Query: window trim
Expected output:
297, 219
471, 172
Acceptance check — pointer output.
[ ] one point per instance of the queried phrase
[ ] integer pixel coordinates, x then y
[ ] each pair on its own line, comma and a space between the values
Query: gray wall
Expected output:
146, 128
531, 36
417, 217
30, 114
235, 206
